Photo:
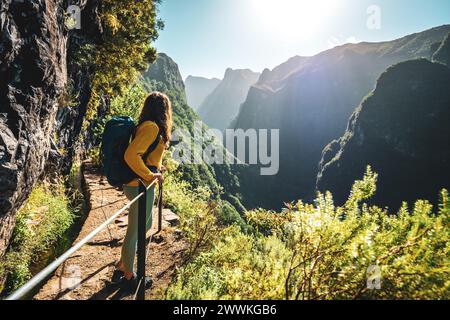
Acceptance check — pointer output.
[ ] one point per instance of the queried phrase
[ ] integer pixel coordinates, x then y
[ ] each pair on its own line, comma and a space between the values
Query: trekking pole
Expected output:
141, 252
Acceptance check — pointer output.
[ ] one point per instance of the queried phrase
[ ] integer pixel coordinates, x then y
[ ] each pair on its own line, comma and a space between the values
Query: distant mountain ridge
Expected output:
222, 105
311, 107
414, 45
273, 78
198, 88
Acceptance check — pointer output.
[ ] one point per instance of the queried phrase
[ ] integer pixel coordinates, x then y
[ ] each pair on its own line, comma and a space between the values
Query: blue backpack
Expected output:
118, 134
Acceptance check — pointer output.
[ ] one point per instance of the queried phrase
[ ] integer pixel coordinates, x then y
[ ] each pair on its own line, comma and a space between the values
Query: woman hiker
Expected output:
155, 122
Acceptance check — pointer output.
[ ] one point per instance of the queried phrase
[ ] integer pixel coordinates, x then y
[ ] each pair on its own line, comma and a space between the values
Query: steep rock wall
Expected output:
33, 76
39, 70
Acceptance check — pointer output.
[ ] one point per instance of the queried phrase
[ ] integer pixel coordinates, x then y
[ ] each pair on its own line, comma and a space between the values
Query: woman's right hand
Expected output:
159, 176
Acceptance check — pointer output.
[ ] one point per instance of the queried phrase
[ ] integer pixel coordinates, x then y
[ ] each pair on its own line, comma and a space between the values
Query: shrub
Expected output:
127, 104
41, 224
228, 215
320, 251
198, 217
130, 27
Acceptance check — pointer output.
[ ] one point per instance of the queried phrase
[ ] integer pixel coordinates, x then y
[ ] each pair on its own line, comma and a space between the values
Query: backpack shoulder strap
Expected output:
152, 147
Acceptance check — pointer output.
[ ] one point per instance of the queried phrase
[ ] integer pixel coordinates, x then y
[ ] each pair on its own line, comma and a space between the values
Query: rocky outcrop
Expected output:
402, 131
33, 72
198, 88
310, 101
222, 105
166, 71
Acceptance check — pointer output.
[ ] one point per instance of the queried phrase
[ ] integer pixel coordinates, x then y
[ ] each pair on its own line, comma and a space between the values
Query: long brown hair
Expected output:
158, 108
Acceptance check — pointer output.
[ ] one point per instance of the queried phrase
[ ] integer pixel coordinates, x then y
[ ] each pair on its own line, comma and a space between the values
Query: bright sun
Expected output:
293, 19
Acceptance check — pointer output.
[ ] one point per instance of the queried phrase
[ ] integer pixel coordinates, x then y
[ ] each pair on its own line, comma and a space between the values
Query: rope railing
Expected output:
42, 275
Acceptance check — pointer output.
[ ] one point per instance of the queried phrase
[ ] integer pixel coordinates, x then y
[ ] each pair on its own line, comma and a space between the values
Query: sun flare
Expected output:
293, 18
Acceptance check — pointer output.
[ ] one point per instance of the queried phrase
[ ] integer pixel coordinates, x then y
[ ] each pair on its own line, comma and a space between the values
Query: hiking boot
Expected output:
117, 276
130, 286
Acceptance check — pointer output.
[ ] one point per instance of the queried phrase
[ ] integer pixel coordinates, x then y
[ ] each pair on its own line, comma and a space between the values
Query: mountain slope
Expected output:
166, 71
198, 88
402, 131
442, 54
222, 105
272, 79
311, 107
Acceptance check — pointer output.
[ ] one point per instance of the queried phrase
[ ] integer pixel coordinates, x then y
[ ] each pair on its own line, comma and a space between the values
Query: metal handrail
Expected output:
38, 278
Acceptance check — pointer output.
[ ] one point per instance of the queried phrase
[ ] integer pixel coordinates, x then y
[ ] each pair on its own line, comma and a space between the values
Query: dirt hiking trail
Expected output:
86, 275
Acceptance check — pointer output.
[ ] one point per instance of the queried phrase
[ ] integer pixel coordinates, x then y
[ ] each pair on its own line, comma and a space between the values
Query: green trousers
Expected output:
130, 241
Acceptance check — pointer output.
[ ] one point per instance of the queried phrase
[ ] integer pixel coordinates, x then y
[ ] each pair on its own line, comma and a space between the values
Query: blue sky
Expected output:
207, 36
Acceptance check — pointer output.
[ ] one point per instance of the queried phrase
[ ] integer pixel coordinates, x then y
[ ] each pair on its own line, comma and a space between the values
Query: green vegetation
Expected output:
130, 27
129, 103
41, 231
199, 222
202, 215
315, 251
124, 49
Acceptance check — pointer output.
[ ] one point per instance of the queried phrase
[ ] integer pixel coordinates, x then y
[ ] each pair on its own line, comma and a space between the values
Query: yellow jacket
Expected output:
146, 134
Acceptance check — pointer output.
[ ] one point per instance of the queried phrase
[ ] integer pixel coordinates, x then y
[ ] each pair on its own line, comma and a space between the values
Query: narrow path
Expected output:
87, 273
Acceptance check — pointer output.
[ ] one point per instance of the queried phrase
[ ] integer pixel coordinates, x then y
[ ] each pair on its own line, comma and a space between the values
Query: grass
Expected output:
43, 230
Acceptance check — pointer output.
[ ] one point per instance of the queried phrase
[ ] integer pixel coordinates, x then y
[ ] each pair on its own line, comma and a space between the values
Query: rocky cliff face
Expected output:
222, 105
310, 100
38, 72
198, 88
402, 131
166, 71
33, 72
